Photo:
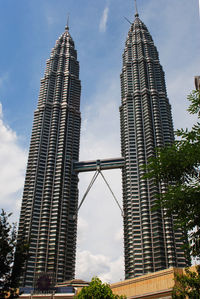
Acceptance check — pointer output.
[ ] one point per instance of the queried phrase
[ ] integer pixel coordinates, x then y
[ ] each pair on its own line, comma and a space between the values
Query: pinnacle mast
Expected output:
67, 25
136, 10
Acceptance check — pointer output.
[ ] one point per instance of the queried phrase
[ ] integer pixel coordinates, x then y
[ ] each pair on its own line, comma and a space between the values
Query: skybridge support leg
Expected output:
88, 188
98, 171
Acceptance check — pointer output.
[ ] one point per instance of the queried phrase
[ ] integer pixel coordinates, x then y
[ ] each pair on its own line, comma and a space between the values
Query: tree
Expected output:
187, 285
97, 290
12, 257
177, 166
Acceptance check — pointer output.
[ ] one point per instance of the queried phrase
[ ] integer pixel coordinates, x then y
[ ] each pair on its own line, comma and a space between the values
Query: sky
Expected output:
28, 31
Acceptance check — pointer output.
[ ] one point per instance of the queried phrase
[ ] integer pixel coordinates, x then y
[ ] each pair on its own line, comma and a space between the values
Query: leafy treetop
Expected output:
97, 290
12, 257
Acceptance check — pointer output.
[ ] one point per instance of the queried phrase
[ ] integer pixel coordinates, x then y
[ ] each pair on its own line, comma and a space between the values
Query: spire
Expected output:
67, 25
136, 10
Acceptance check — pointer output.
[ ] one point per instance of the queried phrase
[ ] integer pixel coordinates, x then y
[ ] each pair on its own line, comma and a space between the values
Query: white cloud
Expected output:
103, 20
1, 111
82, 229
100, 242
102, 215
199, 8
119, 235
90, 265
100, 132
13, 161
116, 272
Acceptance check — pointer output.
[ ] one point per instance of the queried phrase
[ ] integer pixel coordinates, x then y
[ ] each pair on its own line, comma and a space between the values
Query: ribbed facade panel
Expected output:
50, 195
150, 241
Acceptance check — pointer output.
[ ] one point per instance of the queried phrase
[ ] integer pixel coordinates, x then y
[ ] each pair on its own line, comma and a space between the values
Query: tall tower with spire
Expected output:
150, 240
50, 195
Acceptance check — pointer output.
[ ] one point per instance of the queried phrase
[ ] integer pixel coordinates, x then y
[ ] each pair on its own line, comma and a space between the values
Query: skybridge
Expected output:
93, 165
98, 166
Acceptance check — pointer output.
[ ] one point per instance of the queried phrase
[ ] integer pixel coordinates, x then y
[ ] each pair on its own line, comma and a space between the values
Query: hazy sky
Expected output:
28, 31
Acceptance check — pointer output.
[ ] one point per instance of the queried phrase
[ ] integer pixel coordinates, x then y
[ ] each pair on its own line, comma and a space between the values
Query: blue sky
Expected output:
28, 31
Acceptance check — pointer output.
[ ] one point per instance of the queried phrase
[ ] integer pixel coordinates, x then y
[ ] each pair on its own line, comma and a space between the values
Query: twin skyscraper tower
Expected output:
50, 200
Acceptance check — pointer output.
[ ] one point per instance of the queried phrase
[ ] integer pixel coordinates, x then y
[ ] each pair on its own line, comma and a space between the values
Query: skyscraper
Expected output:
50, 192
150, 241
49, 207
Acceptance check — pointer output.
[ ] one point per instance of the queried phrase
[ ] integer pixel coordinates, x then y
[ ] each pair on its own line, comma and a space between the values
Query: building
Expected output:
50, 197
65, 290
48, 219
150, 241
158, 285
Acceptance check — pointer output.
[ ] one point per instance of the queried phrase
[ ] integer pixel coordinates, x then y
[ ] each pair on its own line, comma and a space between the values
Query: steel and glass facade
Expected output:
150, 241
48, 219
50, 195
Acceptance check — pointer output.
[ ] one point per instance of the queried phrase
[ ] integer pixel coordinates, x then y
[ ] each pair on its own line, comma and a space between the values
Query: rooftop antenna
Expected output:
136, 10
67, 26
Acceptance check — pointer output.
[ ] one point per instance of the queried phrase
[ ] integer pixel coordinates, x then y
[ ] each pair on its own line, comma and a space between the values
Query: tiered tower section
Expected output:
150, 241
50, 193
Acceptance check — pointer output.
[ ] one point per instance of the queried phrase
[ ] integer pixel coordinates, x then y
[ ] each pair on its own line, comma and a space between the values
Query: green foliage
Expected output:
187, 285
12, 258
194, 107
97, 290
178, 167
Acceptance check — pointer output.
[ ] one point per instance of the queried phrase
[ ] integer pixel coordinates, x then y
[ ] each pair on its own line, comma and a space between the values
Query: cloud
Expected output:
13, 161
82, 229
103, 216
100, 233
103, 20
119, 235
100, 132
90, 265
199, 8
